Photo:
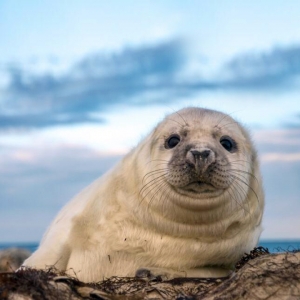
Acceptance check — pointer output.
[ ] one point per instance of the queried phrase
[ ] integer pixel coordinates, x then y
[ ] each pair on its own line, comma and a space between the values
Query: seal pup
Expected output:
187, 201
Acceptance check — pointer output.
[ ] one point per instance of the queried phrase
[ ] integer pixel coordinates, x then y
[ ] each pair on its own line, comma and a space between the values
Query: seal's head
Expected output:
204, 155
205, 150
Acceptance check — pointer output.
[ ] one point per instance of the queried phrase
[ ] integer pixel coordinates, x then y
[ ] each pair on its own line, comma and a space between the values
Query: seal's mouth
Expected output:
200, 187
200, 182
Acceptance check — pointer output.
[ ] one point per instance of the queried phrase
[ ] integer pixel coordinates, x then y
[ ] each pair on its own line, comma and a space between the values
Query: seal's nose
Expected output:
200, 159
204, 154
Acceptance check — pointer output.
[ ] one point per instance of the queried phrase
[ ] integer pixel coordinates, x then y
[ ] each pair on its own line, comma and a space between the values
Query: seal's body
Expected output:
187, 201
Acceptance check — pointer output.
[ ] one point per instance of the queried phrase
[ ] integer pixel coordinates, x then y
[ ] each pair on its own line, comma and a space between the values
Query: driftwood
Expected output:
258, 275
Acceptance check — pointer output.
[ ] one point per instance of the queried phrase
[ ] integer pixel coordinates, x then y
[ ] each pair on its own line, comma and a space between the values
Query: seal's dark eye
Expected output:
172, 141
228, 143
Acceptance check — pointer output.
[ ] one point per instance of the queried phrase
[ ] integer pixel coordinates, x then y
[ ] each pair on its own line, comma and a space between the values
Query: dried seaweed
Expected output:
256, 252
258, 275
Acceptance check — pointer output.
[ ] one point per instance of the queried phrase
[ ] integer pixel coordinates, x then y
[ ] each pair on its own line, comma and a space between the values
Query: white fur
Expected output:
115, 227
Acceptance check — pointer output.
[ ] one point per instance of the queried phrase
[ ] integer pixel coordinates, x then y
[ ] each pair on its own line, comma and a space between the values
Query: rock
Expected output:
12, 258
274, 276
259, 275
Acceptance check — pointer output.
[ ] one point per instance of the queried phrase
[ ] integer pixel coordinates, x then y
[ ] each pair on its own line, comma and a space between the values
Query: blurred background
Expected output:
81, 82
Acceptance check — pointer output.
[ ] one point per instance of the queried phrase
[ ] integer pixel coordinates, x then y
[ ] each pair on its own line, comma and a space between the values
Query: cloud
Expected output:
145, 75
278, 144
53, 173
293, 123
35, 183
92, 85
280, 165
44, 119
278, 68
287, 157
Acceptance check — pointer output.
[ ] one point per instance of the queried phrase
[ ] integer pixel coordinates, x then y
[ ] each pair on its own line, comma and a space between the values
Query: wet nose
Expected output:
203, 154
201, 159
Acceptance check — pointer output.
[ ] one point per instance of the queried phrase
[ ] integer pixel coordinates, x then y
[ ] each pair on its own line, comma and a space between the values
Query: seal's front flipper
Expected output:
158, 274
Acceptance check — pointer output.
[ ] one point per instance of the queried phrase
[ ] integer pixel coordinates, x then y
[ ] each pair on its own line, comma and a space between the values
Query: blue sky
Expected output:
81, 82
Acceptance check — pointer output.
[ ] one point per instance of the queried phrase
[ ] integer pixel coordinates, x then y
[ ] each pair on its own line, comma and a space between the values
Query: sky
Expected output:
82, 82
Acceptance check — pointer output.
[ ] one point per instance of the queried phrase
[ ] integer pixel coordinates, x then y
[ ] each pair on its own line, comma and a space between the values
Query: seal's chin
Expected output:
200, 187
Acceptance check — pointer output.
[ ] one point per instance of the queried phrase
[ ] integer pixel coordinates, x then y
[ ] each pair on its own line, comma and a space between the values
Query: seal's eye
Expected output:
228, 143
172, 141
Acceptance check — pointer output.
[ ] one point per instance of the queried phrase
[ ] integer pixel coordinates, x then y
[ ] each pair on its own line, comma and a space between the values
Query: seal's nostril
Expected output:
201, 154
195, 152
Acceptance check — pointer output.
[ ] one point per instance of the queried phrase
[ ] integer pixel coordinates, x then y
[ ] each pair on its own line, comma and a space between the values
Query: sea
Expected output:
274, 246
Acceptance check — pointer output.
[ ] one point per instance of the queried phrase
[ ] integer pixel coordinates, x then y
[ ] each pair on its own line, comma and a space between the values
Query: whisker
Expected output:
150, 184
244, 172
152, 173
239, 190
233, 162
159, 187
158, 180
227, 124
233, 195
185, 122
175, 122
240, 161
239, 179
223, 117
177, 113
